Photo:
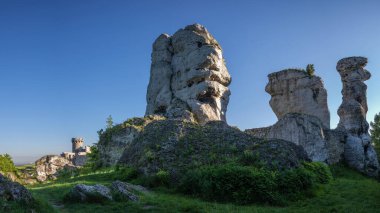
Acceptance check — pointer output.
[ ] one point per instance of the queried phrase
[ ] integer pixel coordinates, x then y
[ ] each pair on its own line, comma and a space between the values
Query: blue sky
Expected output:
66, 65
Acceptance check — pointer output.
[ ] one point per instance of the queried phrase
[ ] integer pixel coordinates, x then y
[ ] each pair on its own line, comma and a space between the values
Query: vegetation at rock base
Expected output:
244, 185
375, 133
348, 191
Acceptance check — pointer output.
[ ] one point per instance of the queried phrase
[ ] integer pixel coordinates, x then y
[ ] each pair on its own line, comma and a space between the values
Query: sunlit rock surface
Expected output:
188, 77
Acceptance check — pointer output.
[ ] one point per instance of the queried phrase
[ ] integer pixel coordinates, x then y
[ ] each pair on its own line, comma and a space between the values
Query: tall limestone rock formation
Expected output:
188, 77
295, 91
358, 151
300, 102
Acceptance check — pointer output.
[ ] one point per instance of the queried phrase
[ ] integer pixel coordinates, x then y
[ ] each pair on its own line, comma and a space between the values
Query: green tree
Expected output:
109, 122
310, 69
375, 133
6, 163
93, 159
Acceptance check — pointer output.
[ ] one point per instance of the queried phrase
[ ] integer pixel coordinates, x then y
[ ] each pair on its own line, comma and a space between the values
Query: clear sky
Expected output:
66, 65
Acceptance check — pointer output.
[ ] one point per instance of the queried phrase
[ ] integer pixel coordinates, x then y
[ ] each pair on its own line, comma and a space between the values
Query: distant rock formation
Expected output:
358, 151
188, 77
48, 166
295, 91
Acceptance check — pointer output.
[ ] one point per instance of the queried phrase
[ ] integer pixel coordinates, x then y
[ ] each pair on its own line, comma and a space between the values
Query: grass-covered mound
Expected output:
175, 147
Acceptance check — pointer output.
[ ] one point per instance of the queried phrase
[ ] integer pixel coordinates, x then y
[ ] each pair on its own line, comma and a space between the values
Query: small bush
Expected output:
123, 173
6, 163
231, 183
67, 172
161, 178
322, 171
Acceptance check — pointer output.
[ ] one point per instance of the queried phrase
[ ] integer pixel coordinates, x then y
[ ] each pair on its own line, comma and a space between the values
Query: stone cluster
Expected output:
189, 81
188, 77
300, 103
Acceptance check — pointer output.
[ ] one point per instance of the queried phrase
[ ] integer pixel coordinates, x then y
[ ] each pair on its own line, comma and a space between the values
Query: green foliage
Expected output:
124, 173
231, 183
109, 122
310, 69
67, 172
93, 160
375, 134
243, 185
321, 171
6, 163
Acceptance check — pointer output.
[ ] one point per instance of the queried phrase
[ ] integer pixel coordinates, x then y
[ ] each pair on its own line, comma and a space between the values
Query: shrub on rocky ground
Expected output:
244, 185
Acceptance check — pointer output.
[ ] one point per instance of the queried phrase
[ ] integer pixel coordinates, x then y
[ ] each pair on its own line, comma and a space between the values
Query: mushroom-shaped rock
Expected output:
295, 91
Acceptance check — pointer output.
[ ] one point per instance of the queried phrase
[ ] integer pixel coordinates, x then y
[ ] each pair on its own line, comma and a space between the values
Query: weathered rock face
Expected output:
176, 146
113, 141
48, 166
294, 91
12, 191
358, 151
188, 77
307, 131
123, 191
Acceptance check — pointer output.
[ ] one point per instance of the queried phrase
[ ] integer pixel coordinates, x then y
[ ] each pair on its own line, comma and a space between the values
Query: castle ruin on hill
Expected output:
78, 152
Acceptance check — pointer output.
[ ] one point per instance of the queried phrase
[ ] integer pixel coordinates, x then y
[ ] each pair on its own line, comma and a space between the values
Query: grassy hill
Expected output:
348, 192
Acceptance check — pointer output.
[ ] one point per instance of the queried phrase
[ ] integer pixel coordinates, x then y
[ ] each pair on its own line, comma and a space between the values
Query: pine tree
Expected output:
375, 133
310, 69
109, 122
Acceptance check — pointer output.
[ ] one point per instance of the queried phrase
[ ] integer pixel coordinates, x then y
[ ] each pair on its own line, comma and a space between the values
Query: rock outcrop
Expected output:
47, 167
299, 101
358, 151
123, 191
177, 146
295, 91
113, 141
13, 191
86, 193
118, 191
188, 77
320, 144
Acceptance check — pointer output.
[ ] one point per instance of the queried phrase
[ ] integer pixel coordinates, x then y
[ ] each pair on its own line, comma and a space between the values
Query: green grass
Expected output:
32, 165
348, 192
